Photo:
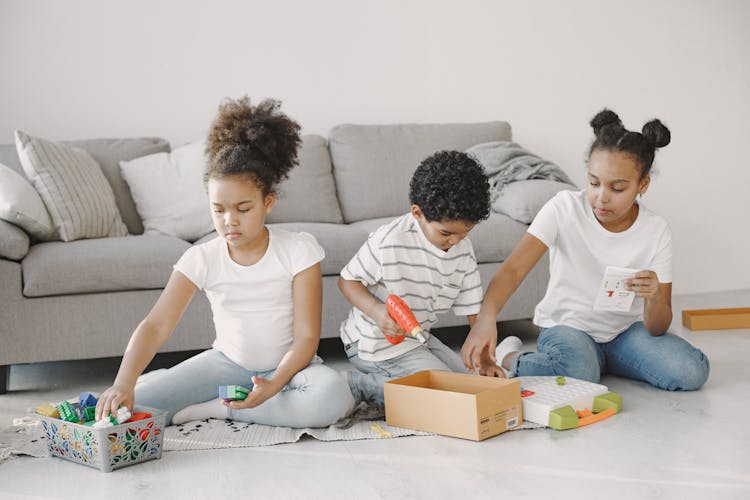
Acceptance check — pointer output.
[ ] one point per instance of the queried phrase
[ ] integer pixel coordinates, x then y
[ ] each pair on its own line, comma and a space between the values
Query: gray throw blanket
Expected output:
505, 162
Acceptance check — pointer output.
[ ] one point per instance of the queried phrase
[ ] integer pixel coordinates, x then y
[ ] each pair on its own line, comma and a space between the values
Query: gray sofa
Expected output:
82, 299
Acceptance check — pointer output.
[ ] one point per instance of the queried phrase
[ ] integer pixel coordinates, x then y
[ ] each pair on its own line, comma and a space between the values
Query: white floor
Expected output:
663, 445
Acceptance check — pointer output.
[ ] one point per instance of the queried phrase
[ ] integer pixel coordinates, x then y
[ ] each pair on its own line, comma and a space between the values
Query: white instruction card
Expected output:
612, 295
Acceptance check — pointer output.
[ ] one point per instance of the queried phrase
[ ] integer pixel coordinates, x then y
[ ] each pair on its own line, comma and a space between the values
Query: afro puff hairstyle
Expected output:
255, 140
451, 185
611, 135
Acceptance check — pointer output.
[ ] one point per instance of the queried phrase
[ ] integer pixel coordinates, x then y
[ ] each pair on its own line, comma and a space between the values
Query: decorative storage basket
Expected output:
107, 448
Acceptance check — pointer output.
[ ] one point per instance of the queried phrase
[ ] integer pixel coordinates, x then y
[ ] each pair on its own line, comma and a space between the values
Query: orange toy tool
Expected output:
404, 316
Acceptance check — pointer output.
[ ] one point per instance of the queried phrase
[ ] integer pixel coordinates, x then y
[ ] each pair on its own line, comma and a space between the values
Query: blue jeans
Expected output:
666, 361
368, 385
316, 396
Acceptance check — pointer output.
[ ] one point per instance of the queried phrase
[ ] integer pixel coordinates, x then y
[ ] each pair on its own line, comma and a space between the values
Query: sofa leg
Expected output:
4, 378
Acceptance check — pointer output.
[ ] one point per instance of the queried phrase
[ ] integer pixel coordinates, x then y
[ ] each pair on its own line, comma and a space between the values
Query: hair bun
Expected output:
656, 133
603, 119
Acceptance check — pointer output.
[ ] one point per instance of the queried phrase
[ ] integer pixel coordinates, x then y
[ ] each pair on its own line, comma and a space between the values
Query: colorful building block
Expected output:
67, 412
139, 415
232, 392
89, 414
86, 399
48, 410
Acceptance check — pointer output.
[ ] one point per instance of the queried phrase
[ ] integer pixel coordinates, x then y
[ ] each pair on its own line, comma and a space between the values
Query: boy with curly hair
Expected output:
425, 258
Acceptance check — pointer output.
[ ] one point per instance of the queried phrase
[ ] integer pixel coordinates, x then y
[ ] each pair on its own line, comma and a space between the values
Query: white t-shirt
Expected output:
580, 249
399, 259
252, 305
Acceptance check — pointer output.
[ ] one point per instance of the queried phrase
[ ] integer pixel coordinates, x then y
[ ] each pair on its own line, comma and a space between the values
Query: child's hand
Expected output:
113, 398
492, 371
263, 389
488, 367
386, 324
645, 284
480, 343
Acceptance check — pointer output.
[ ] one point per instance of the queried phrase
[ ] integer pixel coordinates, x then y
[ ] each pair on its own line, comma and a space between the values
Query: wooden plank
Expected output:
716, 319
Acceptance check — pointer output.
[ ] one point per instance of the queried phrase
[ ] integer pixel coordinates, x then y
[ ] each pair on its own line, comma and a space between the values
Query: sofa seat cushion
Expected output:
100, 265
340, 241
373, 164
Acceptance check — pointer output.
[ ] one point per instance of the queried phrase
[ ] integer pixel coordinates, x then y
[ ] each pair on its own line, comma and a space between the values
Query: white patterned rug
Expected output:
27, 438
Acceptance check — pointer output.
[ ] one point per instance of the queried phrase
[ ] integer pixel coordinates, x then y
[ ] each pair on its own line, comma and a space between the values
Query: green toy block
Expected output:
233, 392
560, 380
89, 413
67, 413
563, 418
609, 400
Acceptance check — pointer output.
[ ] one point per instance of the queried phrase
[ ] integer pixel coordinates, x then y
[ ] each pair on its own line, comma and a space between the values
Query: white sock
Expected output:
210, 409
508, 345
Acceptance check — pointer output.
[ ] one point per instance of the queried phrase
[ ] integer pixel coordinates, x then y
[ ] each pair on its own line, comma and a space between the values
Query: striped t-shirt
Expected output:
399, 259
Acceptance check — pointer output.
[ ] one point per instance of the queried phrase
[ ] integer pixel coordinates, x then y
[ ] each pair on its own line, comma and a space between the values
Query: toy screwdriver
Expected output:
401, 314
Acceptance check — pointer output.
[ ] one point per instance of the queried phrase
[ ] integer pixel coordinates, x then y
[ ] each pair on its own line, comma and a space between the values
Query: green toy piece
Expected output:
67, 412
89, 413
563, 418
233, 392
560, 380
609, 400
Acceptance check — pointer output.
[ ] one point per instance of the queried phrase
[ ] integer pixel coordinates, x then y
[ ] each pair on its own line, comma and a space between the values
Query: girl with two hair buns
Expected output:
265, 290
585, 232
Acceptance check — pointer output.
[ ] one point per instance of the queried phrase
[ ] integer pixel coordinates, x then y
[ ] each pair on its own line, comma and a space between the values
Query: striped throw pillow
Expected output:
71, 183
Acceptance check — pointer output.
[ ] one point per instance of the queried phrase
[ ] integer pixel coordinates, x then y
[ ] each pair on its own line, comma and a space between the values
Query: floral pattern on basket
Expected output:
128, 444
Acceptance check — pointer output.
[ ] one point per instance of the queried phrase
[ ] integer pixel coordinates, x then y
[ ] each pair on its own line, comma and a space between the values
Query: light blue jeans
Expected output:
367, 384
666, 361
316, 396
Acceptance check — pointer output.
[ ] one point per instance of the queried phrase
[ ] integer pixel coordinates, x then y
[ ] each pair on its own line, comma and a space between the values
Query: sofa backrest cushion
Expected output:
309, 194
109, 153
372, 164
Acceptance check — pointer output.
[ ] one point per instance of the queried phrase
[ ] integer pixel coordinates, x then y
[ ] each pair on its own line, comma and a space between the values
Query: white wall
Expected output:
79, 69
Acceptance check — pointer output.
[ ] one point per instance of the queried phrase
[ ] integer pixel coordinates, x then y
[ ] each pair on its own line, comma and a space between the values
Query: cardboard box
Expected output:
454, 404
716, 319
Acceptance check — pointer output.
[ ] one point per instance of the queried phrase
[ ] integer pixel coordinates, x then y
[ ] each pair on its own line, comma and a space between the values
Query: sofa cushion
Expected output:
309, 194
373, 164
522, 200
340, 241
21, 204
495, 238
109, 153
14, 242
100, 265
169, 192
74, 190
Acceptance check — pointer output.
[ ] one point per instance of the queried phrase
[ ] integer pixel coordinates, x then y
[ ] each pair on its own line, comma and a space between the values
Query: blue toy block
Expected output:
86, 399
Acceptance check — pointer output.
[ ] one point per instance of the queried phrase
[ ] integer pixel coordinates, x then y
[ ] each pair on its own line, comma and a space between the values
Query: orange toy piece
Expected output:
591, 418
405, 318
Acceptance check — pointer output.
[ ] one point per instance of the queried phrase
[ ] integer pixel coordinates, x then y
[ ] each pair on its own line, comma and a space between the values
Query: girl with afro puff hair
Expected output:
265, 290
586, 232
